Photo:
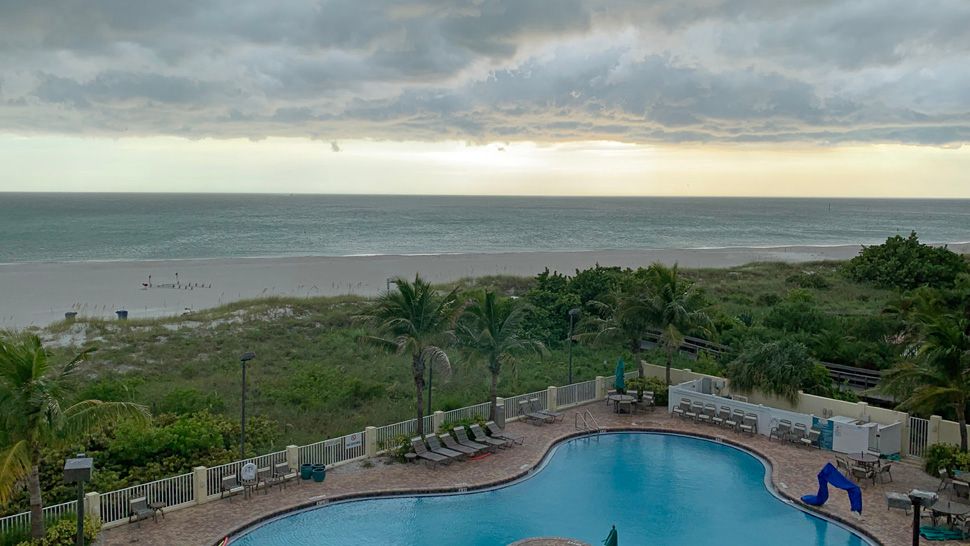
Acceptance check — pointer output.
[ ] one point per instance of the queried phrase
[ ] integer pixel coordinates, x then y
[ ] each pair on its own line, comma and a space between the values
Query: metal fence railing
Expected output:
20, 523
214, 475
513, 408
574, 394
174, 492
334, 450
919, 434
468, 412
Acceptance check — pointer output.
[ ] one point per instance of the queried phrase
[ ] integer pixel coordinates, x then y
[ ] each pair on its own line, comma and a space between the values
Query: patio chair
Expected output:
749, 424
798, 432
706, 414
482, 438
464, 440
682, 408
265, 479
863, 473
842, 464
649, 400
435, 441
531, 416
944, 480
555, 415
886, 469
283, 473
138, 510
496, 432
961, 489
421, 450
435, 446
695, 409
722, 414
734, 419
229, 487
812, 439
781, 430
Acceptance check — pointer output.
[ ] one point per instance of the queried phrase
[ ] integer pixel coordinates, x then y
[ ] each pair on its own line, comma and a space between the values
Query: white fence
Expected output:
577, 393
21, 522
334, 450
174, 492
513, 408
470, 412
214, 475
919, 433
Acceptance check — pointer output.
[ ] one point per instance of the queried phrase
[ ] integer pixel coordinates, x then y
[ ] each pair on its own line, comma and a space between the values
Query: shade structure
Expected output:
611, 539
619, 382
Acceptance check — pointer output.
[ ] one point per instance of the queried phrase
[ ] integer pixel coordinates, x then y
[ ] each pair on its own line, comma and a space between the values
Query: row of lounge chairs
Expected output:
725, 417
445, 448
797, 434
266, 477
531, 411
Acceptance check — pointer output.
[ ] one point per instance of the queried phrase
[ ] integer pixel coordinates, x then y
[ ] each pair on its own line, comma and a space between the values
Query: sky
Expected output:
538, 97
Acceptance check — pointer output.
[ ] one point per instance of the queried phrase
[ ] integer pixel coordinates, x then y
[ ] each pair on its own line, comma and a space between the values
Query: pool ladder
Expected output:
586, 422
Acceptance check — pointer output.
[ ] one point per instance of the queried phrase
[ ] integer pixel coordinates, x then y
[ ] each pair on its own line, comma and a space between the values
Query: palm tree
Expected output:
415, 320
33, 390
492, 328
939, 376
675, 307
621, 317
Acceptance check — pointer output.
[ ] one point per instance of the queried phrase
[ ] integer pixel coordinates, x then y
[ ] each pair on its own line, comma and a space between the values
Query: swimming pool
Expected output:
658, 489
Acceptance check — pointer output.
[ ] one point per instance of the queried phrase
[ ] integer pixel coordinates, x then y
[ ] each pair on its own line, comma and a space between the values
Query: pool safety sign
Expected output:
354, 440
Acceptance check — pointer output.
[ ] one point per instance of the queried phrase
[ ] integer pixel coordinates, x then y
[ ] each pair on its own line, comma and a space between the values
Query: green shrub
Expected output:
64, 533
448, 427
398, 447
808, 280
655, 384
945, 456
905, 263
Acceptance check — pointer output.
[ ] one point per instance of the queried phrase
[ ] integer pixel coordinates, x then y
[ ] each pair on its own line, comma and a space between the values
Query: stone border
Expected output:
769, 465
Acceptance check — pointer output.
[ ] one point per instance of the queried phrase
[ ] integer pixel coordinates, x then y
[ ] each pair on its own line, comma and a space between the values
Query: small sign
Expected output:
354, 440
248, 472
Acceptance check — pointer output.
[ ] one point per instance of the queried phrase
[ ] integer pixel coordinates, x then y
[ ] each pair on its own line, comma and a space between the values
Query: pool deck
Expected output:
793, 473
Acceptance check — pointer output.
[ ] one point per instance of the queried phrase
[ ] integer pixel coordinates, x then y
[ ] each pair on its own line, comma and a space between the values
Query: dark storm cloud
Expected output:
675, 71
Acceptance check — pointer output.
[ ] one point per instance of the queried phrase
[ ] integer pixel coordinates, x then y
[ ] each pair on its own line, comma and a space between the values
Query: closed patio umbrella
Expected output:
619, 381
611, 539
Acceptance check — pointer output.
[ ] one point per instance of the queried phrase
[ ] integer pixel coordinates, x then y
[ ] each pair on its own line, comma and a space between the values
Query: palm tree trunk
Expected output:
493, 391
36, 503
961, 410
418, 373
635, 347
670, 361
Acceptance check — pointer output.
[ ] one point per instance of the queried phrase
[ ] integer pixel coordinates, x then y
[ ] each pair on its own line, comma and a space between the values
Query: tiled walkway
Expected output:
794, 471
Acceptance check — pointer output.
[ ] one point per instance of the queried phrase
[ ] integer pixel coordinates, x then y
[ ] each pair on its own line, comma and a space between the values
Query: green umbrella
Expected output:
618, 382
611, 539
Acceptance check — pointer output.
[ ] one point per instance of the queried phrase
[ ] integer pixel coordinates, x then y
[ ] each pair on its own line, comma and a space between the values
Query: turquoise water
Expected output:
95, 227
657, 489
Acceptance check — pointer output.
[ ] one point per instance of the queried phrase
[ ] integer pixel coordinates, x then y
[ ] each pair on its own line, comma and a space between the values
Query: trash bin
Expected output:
122, 314
319, 472
306, 471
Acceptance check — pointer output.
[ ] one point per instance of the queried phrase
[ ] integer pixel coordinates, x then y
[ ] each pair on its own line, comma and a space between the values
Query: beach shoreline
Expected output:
39, 293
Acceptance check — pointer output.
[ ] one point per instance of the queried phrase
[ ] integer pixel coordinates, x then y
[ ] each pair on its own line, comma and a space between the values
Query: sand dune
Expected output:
40, 293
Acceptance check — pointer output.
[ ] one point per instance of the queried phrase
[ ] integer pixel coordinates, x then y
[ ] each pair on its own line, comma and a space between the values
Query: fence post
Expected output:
293, 457
92, 505
933, 434
437, 420
551, 398
200, 485
904, 436
600, 387
370, 441
500, 412
863, 410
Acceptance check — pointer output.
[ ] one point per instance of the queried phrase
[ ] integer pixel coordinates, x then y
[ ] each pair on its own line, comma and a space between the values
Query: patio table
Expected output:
865, 459
617, 398
949, 509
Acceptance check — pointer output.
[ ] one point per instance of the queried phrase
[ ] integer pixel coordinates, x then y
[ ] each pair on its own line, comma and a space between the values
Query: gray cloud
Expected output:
504, 70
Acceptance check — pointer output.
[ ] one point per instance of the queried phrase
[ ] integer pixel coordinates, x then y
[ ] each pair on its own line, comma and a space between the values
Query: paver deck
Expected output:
794, 472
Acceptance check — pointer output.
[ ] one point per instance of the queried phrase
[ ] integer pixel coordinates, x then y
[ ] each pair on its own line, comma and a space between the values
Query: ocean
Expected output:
50, 227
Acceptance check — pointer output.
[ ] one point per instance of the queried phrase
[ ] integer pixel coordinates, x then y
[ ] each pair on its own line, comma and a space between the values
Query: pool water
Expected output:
658, 489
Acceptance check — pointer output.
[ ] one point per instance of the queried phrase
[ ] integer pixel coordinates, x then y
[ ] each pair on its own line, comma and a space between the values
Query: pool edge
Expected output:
769, 481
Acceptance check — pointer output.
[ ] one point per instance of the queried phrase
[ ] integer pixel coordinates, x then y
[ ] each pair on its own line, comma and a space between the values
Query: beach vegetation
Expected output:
782, 368
905, 263
36, 413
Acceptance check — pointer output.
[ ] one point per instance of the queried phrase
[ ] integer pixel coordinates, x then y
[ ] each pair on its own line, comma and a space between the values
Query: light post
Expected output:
246, 357
920, 499
573, 314
78, 470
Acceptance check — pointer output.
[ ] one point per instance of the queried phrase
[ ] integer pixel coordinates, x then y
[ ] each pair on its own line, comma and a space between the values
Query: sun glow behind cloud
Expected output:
296, 165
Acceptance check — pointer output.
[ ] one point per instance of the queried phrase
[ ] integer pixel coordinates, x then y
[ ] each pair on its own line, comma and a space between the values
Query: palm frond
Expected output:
93, 415
15, 465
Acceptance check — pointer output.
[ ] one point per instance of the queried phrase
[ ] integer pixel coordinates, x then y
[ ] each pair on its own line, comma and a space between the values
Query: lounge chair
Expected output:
722, 414
435, 446
421, 450
694, 409
482, 438
750, 424
138, 510
531, 416
497, 432
450, 443
283, 473
556, 416
781, 431
229, 487
706, 415
798, 431
464, 440
812, 439
738, 417
682, 408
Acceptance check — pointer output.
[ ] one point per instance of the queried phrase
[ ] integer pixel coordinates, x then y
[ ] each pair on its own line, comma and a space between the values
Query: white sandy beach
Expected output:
36, 294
